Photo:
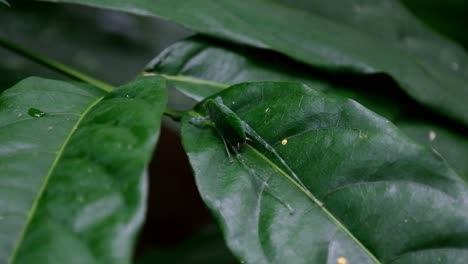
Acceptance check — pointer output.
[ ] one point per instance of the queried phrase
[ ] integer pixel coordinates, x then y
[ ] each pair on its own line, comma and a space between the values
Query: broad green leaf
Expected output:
206, 246
200, 67
4, 2
364, 37
385, 198
72, 162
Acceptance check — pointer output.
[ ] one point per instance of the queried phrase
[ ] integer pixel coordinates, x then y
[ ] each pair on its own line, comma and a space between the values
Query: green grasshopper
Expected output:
235, 132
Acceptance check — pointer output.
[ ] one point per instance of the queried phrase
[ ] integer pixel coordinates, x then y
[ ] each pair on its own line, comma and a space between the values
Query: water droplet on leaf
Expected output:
34, 112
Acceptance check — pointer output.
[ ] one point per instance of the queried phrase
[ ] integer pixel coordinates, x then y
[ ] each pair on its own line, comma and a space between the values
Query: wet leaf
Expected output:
385, 198
73, 182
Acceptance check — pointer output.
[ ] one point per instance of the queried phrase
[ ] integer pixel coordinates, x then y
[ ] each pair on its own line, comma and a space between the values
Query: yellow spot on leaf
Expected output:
341, 260
284, 142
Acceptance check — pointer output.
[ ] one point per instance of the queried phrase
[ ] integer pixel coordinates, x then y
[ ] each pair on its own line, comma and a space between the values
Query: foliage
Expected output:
355, 114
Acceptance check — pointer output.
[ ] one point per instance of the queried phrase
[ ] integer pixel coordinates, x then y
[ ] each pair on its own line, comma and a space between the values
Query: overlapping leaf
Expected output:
356, 36
72, 163
385, 198
200, 67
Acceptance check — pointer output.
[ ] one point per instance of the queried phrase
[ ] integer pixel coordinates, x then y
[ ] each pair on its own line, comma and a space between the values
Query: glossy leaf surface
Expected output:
355, 36
72, 162
452, 146
200, 67
386, 199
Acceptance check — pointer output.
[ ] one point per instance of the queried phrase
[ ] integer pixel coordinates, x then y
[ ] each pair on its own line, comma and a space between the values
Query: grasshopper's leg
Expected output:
204, 121
249, 131
264, 182
201, 121
227, 148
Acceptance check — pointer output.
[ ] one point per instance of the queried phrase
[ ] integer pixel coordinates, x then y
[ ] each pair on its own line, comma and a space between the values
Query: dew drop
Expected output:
34, 112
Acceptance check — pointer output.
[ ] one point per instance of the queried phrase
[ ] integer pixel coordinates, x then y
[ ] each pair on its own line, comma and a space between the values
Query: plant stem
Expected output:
70, 72
54, 65
175, 115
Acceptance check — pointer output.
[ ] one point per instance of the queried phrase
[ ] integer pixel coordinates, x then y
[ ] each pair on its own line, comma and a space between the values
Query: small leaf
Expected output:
385, 198
73, 182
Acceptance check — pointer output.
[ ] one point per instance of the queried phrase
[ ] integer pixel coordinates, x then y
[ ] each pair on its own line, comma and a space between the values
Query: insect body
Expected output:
229, 126
235, 132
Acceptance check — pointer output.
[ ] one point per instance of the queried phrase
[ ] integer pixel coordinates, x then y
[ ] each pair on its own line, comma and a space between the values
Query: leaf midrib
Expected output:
321, 207
35, 204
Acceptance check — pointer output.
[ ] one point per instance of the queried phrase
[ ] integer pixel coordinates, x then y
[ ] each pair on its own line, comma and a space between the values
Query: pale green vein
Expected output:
46, 180
187, 79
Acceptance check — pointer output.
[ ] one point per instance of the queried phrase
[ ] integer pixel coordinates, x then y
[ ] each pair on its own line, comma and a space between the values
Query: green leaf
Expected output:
200, 67
386, 199
240, 64
206, 246
450, 145
73, 182
367, 38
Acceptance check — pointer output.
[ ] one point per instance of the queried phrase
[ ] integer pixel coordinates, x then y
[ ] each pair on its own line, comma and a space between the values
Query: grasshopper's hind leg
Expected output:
264, 182
227, 149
